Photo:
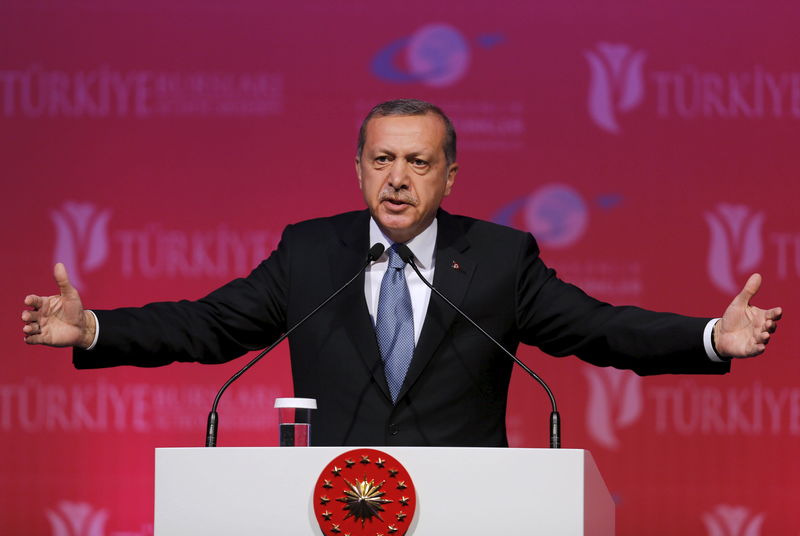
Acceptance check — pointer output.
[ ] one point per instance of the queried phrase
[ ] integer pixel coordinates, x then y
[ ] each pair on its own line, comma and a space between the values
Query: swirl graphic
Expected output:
436, 55
556, 214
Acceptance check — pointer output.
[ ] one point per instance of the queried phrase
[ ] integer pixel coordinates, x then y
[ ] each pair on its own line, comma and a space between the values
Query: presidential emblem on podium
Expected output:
364, 492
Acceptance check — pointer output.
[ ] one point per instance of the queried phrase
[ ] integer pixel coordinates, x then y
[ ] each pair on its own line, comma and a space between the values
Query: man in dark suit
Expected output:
428, 378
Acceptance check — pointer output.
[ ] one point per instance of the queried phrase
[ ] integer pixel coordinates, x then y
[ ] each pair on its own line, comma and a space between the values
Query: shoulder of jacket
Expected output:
334, 222
480, 228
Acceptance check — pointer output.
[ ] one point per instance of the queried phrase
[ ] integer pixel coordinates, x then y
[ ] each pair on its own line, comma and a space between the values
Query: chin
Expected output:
395, 221
395, 226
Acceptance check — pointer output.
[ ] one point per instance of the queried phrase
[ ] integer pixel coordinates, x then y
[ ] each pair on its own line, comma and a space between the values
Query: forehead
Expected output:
405, 132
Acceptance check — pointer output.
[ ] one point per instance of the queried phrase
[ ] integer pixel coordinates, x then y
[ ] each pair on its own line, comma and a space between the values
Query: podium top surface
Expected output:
473, 490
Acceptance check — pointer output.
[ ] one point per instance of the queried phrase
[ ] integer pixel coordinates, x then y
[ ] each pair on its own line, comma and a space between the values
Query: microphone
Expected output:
555, 420
373, 254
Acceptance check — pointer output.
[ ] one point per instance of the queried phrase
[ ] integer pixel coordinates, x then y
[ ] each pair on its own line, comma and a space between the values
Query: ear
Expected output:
358, 173
451, 178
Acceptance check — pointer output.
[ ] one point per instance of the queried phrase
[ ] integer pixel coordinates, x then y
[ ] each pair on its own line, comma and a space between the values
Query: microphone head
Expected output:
375, 252
404, 252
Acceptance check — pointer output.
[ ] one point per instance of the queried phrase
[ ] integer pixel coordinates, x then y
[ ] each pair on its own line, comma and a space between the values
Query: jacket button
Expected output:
394, 429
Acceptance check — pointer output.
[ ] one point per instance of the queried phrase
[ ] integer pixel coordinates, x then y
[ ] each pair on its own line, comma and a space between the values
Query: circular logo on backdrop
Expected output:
364, 491
435, 55
556, 215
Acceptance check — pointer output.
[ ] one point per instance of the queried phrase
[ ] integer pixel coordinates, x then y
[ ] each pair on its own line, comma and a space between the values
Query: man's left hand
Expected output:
744, 330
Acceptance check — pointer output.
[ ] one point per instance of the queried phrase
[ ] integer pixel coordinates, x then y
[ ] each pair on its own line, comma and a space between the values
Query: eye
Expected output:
418, 162
383, 159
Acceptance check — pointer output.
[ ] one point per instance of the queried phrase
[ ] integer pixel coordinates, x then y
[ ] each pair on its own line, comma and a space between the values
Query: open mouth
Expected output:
396, 203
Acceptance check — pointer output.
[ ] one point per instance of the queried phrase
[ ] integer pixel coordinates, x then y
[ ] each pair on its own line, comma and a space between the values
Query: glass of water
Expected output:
294, 421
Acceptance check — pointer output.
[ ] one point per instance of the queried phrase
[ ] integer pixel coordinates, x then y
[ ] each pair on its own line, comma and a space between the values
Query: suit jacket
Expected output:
456, 388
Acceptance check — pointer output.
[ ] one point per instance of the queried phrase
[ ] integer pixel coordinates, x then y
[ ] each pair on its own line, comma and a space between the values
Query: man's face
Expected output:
403, 173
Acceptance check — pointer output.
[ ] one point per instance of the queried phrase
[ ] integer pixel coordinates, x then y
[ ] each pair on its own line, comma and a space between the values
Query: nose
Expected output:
398, 175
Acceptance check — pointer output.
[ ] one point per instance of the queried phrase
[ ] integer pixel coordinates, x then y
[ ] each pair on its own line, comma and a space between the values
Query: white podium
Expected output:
465, 491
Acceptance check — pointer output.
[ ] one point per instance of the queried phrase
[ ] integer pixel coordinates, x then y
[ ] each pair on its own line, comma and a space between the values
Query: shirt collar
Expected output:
422, 246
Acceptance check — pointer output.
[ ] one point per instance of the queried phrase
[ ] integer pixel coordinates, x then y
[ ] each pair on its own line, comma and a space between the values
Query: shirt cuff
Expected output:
97, 331
710, 351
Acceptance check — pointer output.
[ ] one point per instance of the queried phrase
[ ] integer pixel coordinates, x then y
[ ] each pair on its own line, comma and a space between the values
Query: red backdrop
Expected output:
158, 148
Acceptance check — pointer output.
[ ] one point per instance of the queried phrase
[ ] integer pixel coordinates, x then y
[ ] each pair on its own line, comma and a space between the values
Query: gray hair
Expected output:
411, 107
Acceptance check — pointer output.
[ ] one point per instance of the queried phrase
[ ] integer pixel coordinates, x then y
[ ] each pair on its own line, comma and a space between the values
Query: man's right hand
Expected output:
58, 320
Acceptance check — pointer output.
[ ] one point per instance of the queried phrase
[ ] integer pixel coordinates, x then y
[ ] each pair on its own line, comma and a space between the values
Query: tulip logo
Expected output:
77, 519
736, 245
615, 401
81, 238
616, 85
732, 521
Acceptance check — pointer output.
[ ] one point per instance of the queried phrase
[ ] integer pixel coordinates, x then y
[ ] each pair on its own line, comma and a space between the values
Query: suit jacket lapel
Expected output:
454, 271
355, 240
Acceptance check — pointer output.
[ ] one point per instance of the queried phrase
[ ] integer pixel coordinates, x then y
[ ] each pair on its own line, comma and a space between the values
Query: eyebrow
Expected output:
413, 154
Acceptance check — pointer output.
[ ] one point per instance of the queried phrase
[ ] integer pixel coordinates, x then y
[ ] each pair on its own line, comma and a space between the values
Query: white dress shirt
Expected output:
423, 246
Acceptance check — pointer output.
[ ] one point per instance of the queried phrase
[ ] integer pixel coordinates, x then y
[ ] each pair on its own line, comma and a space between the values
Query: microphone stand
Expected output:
555, 419
213, 421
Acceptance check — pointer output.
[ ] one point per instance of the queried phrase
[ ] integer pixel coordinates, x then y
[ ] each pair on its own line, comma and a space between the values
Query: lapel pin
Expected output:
454, 265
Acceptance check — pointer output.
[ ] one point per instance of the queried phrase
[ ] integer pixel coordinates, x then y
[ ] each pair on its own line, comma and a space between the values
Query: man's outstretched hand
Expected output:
744, 330
58, 320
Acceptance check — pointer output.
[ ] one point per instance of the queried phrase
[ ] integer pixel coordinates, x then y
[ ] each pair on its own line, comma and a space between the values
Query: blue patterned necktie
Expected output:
395, 323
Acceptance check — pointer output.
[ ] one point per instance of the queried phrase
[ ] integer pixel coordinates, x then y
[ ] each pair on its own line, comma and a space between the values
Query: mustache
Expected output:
401, 196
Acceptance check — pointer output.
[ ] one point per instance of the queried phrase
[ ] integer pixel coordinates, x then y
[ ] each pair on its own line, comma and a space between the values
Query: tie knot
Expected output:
394, 258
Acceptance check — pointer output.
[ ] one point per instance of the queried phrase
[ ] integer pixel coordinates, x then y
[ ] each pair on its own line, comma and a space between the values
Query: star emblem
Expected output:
354, 485
364, 500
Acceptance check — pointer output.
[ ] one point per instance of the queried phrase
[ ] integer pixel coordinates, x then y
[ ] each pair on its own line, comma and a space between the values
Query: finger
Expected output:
774, 314
30, 316
763, 338
34, 339
32, 300
31, 329
770, 326
62, 280
749, 290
